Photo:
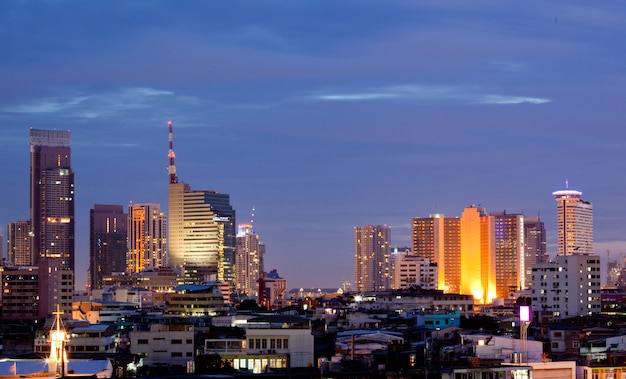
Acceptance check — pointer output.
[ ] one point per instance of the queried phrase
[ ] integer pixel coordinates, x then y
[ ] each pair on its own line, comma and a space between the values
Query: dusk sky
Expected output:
323, 115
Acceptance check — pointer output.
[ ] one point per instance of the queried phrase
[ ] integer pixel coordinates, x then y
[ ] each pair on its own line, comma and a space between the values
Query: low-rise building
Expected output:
164, 344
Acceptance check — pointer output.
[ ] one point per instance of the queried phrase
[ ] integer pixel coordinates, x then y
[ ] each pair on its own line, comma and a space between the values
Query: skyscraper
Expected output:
107, 242
438, 239
18, 243
51, 197
201, 233
534, 246
574, 223
373, 269
478, 264
248, 261
509, 253
147, 237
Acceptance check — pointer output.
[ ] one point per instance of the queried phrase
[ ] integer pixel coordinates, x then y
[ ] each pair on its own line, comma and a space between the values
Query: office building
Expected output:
534, 246
574, 223
272, 290
249, 261
18, 243
201, 234
372, 258
147, 237
568, 287
509, 253
107, 243
51, 197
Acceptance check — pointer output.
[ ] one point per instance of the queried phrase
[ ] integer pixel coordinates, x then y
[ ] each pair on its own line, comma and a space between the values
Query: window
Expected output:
188, 341
177, 342
176, 354
142, 342
285, 343
264, 343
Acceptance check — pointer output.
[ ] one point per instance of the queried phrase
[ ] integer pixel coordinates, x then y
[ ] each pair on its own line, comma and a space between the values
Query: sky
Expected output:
323, 115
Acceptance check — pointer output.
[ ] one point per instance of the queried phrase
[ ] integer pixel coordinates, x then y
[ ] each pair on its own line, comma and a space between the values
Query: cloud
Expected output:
91, 106
465, 94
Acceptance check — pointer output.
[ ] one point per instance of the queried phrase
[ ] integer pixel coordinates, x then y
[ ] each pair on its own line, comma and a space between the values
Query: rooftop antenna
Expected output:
171, 155
252, 219
566, 184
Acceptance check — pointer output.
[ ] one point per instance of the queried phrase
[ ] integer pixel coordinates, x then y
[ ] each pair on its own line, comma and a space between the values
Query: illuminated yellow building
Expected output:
478, 255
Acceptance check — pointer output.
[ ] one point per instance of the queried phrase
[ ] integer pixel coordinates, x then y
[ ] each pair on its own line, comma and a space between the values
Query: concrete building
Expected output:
569, 286
249, 261
372, 258
534, 246
574, 223
197, 300
272, 290
412, 270
509, 253
107, 243
18, 243
438, 238
478, 264
415, 300
147, 237
20, 293
164, 344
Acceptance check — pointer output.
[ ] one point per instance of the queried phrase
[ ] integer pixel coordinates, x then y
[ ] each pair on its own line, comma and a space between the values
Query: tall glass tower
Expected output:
51, 197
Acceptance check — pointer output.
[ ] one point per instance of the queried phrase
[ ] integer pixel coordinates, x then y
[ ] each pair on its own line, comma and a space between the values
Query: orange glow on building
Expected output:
477, 255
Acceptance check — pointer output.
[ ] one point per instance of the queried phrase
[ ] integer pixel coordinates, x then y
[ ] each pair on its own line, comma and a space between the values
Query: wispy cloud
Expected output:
466, 94
91, 105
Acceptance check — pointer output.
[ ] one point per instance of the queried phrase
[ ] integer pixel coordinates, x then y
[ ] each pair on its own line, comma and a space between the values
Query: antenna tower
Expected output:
171, 155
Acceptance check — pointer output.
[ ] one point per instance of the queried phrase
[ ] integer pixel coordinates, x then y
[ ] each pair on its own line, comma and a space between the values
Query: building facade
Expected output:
107, 243
478, 265
372, 258
534, 246
249, 261
509, 253
147, 237
51, 197
18, 243
574, 223
409, 270
567, 287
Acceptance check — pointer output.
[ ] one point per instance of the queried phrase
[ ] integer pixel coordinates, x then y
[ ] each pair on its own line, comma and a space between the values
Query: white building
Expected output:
412, 270
574, 223
164, 345
415, 300
274, 342
84, 338
569, 286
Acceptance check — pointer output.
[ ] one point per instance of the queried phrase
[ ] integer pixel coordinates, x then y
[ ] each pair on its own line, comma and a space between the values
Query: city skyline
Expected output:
323, 116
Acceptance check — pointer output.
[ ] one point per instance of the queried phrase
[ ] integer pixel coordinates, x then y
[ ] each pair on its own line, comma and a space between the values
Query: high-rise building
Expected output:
51, 197
18, 243
534, 246
201, 234
574, 223
568, 287
509, 253
438, 239
248, 261
478, 264
107, 243
373, 269
147, 237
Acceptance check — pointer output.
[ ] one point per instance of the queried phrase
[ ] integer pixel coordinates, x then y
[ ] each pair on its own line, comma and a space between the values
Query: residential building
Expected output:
534, 246
56, 287
272, 290
18, 243
569, 286
83, 338
412, 270
249, 261
164, 344
509, 253
107, 243
372, 258
197, 300
414, 300
20, 293
574, 223
147, 237
478, 265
